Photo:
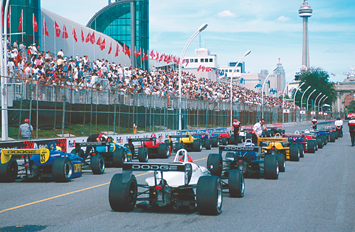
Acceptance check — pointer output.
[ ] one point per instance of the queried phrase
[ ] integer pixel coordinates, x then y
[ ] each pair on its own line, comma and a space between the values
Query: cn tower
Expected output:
305, 12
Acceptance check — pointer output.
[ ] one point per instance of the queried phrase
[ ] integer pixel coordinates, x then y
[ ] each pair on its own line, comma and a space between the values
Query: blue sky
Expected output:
271, 29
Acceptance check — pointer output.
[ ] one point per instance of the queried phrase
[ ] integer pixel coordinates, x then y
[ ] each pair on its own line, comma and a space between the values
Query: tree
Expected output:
351, 107
317, 79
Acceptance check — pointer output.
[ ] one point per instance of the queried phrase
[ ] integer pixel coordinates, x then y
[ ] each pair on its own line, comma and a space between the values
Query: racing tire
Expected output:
332, 137
214, 164
163, 150
294, 152
325, 139
119, 157
215, 142
98, 164
81, 153
122, 196
209, 195
236, 184
197, 145
301, 147
224, 140
208, 144
281, 161
311, 146
8, 171
178, 146
271, 167
319, 141
143, 154
62, 169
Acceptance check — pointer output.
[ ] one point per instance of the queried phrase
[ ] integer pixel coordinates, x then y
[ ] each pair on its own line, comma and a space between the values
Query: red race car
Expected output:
149, 147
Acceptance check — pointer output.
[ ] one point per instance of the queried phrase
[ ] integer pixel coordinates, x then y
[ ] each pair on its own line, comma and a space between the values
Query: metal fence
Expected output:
65, 111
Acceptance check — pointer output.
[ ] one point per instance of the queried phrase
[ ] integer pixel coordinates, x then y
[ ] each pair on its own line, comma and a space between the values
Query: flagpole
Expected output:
22, 27
33, 28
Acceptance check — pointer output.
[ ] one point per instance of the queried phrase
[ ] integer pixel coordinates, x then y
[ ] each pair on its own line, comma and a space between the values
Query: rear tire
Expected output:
311, 146
281, 161
224, 140
98, 164
271, 167
215, 142
143, 154
209, 195
332, 137
196, 145
62, 169
236, 183
301, 149
163, 150
319, 142
208, 144
214, 164
119, 157
178, 146
122, 196
294, 152
8, 171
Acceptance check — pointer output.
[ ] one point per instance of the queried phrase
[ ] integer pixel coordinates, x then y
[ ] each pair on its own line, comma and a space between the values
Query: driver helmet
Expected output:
58, 148
103, 138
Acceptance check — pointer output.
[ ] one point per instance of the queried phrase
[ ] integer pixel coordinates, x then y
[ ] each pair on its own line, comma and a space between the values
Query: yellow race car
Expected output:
186, 141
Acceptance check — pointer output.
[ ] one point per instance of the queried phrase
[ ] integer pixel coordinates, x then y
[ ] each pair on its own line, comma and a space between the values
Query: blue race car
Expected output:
39, 163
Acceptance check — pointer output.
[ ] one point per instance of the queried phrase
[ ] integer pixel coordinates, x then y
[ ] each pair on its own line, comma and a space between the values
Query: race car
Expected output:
272, 131
277, 145
176, 184
186, 142
245, 134
223, 137
205, 139
105, 153
246, 160
149, 147
306, 143
48, 162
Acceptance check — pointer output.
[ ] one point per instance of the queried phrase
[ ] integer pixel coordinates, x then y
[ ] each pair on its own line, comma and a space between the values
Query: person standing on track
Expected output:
314, 123
236, 125
258, 131
351, 125
26, 130
339, 127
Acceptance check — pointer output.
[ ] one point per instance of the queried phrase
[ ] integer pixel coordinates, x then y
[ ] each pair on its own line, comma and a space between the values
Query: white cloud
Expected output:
283, 19
226, 13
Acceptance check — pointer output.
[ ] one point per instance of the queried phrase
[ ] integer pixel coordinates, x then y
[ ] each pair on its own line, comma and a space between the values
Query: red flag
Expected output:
98, 42
161, 57
124, 49
35, 25
88, 37
178, 61
92, 38
139, 52
45, 29
199, 68
102, 45
203, 68
143, 55
74, 35
147, 56
65, 33
129, 51
117, 50
82, 36
21, 19
9, 19
187, 62
109, 50
152, 55
157, 56
57, 29
135, 52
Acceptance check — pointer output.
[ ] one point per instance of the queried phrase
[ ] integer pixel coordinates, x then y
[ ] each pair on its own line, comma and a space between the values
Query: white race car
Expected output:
178, 183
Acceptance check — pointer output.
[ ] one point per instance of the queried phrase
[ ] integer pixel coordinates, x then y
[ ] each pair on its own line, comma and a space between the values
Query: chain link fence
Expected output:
56, 111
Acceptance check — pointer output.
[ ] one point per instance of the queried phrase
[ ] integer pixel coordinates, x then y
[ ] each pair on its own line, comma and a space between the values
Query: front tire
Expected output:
214, 164
236, 184
62, 169
209, 196
98, 164
122, 196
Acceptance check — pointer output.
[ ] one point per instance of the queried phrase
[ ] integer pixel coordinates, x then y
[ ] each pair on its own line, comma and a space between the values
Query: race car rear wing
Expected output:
131, 140
92, 144
272, 140
235, 148
179, 136
292, 135
6, 154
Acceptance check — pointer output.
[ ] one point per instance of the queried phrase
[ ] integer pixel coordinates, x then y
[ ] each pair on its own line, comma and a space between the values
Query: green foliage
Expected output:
317, 79
350, 107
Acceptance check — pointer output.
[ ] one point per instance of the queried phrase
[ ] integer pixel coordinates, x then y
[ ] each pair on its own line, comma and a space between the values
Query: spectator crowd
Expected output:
33, 66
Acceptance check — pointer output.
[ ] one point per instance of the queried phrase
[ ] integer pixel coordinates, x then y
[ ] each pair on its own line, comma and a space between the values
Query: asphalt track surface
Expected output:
314, 194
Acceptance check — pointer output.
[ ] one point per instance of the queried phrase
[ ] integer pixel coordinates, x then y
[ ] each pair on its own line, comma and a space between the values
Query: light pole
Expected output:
283, 99
231, 85
262, 93
303, 95
201, 28
314, 104
294, 97
320, 100
324, 100
310, 96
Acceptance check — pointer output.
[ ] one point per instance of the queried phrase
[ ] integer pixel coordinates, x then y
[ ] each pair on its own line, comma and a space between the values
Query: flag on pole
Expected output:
45, 29
35, 25
124, 49
21, 19
147, 56
117, 50
74, 35
199, 68
157, 56
9, 18
129, 51
88, 37
187, 62
135, 52
82, 36
102, 45
92, 38
161, 57
110, 49
57, 29
98, 42
139, 52
65, 32
152, 55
